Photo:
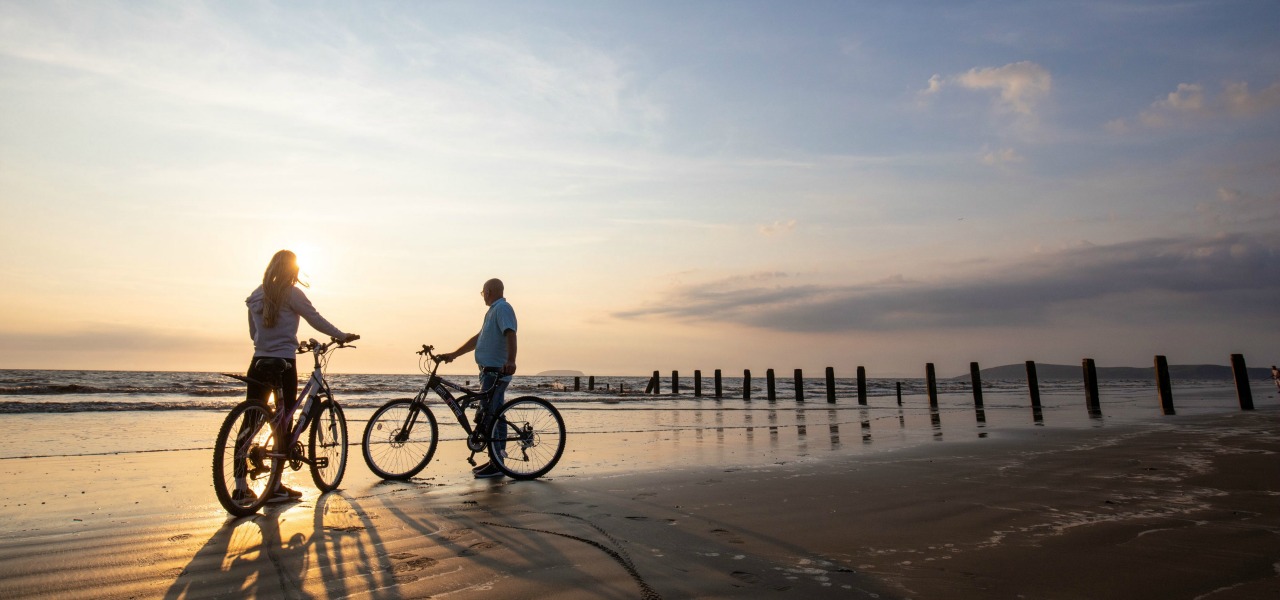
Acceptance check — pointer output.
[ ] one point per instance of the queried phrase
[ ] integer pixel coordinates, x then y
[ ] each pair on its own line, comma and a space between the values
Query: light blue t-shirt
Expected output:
491, 346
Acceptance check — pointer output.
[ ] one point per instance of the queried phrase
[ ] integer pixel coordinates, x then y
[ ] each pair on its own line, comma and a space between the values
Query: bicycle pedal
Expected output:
321, 462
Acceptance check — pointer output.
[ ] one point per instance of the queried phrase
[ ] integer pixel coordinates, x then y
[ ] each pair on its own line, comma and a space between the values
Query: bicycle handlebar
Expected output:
312, 345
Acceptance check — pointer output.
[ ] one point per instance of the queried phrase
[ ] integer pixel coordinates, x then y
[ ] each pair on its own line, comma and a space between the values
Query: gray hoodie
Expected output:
281, 341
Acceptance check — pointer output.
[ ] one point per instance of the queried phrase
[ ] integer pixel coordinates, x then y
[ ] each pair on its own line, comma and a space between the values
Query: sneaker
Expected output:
285, 494
488, 471
478, 468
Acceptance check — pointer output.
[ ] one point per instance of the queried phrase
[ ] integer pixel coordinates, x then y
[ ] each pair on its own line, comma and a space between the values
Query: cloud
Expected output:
1237, 209
778, 228
1237, 276
1002, 157
1021, 85
1190, 103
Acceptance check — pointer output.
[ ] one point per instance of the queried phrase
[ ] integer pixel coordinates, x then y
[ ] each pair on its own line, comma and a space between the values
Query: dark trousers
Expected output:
288, 383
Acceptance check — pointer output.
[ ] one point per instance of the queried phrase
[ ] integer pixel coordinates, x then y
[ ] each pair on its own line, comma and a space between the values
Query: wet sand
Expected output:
1183, 507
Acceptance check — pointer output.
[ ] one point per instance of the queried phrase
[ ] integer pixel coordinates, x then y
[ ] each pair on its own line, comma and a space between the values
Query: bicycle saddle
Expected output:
271, 366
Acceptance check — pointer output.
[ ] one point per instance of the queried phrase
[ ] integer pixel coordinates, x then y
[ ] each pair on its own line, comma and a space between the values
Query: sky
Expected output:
661, 185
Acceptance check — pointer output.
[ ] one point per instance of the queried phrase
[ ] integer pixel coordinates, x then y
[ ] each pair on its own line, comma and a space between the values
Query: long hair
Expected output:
279, 279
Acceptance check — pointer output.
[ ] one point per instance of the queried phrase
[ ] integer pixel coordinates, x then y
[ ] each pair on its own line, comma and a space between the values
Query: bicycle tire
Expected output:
328, 440
535, 437
251, 422
390, 451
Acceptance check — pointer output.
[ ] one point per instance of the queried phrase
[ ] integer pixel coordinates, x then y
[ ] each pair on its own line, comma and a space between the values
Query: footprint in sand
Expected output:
179, 537
479, 547
410, 566
453, 534
727, 536
745, 577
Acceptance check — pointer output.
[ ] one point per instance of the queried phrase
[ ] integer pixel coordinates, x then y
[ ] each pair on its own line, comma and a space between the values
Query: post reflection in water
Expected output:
720, 426
834, 428
866, 425
936, 420
801, 427
773, 425
1037, 415
751, 431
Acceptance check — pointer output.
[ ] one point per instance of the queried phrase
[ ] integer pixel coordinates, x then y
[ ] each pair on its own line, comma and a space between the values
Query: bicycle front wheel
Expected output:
400, 439
246, 465
328, 446
527, 438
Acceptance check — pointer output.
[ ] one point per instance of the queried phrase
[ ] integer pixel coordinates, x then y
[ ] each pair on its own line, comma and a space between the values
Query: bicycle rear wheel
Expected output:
328, 446
246, 466
400, 439
527, 438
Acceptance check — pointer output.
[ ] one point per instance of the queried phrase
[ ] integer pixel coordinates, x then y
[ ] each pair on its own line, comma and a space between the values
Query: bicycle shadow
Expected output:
472, 544
277, 554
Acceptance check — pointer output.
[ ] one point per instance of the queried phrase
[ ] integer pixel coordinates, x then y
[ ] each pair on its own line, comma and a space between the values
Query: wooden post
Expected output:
1241, 372
652, 388
799, 386
1033, 385
1091, 397
719, 389
831, 385
746, 384
931, 381
769, 385
899, 393
862, 386
1162, 383
577, 384
697, 383
975, 374
675, 383
591, 383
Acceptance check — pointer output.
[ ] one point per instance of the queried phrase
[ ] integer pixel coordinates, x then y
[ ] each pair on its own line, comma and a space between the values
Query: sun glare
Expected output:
312, 261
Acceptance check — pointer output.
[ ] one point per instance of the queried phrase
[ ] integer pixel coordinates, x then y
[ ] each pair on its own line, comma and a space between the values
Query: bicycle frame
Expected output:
307, 397
458, 405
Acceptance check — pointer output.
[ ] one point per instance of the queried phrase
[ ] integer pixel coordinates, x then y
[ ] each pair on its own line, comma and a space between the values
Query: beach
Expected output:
1166, 507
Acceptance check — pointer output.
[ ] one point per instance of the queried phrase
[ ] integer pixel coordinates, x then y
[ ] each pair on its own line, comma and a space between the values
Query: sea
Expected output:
56, 413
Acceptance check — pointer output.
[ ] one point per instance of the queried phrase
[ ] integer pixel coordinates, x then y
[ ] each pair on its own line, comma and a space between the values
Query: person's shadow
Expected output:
276, 554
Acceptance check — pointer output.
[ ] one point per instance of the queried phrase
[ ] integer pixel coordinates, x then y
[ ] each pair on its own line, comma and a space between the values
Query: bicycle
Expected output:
525, 439
249, 457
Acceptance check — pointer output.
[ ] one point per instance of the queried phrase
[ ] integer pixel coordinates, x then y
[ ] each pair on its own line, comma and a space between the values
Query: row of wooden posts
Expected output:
1090, 373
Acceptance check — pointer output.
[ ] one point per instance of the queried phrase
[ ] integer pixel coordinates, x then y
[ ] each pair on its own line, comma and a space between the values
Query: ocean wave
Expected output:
75, 407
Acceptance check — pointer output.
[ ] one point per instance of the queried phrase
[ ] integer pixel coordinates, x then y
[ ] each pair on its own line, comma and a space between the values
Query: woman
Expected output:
274, 311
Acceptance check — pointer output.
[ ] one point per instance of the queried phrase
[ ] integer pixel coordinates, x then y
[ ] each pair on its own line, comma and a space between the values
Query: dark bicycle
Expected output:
524, 439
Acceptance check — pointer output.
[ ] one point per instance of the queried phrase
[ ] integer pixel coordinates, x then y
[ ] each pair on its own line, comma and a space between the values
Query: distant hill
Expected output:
561, 373
1049, 372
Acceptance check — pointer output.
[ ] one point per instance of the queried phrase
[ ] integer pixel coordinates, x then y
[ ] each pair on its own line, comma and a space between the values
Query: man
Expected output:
495, 348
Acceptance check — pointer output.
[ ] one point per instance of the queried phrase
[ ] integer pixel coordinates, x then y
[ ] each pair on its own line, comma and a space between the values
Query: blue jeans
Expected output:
498, 381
